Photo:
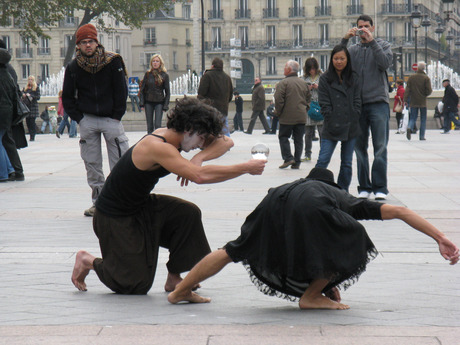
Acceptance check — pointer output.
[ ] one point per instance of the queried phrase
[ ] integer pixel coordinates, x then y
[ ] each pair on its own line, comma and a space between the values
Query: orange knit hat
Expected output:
87, 31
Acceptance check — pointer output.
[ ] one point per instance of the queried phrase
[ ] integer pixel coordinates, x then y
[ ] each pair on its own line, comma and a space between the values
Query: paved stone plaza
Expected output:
409, 294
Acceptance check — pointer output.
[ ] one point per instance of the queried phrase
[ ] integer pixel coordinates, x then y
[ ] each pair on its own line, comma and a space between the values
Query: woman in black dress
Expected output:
303, 242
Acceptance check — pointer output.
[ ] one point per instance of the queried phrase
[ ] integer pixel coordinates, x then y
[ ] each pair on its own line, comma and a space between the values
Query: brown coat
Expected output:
418, 89
292, 98
258, 98
216, 86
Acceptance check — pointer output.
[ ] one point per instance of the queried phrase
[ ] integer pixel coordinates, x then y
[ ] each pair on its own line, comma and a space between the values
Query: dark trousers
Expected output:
297, 132
238, 122
130, 245
261, 116
11, 151
153, 115
32, 127
275, 121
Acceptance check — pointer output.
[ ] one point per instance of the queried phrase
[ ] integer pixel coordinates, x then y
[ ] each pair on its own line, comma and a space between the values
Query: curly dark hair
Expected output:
195, 116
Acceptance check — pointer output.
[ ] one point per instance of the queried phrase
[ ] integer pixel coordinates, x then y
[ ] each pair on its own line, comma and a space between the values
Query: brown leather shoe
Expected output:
286, 164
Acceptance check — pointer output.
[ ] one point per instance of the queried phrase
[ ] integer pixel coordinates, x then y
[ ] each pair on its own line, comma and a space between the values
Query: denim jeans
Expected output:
5, 165
413, 119
72, 127
375, 120
448, 118
46, 124
297, 132
152, 109
346, 159
135, 101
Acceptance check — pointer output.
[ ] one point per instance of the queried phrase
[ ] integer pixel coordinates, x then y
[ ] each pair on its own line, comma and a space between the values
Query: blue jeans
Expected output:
374, 119
346, 159
135, 100
448, 118
45, 124
413, 119
150, 109
72, 127
5, 165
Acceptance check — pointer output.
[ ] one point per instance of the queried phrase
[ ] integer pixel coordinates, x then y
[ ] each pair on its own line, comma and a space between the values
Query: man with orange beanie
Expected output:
94, 94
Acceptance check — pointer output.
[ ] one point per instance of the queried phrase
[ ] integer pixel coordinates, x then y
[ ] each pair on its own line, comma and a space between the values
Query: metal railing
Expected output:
270, 13
242, 13
296, 12
43, 51
355, 9
323, 11
215, 14
24, 53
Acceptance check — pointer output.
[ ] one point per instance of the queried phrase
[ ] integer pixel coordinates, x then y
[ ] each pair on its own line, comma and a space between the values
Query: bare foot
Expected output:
333, 294
192, 297
83, 264
173, 279
321, 302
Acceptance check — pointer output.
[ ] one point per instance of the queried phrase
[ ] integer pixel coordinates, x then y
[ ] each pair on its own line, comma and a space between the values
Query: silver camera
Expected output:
360, 32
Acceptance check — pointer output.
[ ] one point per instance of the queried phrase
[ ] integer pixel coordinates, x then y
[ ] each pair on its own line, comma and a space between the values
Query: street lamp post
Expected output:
202, 38
449, 39
448, 11
439, 31
426, 23
416, 18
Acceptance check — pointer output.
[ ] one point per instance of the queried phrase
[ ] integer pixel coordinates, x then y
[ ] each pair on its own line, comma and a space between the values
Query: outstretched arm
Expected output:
447, 248
214, 150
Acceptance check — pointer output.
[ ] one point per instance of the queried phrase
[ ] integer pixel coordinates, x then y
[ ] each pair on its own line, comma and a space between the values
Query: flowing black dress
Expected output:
302, 231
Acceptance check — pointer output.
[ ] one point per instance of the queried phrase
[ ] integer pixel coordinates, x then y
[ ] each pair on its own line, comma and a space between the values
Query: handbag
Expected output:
405, 121
315, 111
22, 112
399, 107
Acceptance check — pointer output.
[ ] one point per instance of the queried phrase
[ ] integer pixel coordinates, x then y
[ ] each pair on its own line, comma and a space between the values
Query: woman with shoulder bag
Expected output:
30, 96
154, 93
339, 96
8, 110
311, 74
398, 105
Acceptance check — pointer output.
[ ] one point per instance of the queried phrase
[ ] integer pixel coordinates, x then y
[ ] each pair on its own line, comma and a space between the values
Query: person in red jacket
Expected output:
399, 99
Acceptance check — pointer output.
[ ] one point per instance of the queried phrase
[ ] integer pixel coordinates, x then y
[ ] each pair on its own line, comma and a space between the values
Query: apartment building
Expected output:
274, 31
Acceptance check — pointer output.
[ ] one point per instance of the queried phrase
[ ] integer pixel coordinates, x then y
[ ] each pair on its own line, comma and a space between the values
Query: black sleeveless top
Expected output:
127, 188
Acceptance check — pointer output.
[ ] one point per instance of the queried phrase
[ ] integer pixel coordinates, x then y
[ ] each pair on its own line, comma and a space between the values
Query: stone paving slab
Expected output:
409, 294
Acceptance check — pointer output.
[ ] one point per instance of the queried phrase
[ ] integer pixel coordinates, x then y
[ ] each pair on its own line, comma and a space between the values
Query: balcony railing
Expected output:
188, 43
296, 12
215, 14
24, 53
292, 44
271, 12
354, 9
43, 51
242, 13
397, 9
175, 66
150, 41
322, 11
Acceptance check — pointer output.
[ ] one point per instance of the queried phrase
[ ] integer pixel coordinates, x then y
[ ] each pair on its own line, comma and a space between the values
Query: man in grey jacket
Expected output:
370, 58
258, 106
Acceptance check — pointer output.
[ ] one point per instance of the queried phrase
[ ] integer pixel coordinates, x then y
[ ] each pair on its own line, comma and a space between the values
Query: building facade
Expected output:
274, 31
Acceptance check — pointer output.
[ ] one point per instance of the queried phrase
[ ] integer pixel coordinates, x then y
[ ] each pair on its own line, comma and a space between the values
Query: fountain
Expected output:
438, 72
53, 84
186, 84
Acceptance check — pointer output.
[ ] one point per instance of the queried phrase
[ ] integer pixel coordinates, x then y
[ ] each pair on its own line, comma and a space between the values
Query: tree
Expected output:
37, 17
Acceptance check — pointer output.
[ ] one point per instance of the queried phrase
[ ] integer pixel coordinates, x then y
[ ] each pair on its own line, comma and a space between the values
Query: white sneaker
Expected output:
380, 196
364, 195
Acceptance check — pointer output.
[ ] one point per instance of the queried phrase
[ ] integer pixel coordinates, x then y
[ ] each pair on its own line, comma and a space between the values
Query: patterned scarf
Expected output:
156, 74
98, 61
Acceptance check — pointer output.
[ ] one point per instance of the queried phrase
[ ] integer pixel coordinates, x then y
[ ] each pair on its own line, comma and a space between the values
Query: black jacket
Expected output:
101, 94
8, 94
239, 104
450, 100
151, 92
216, 85
340, 107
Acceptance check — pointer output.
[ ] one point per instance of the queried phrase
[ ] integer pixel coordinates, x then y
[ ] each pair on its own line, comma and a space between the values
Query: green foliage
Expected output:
37, 17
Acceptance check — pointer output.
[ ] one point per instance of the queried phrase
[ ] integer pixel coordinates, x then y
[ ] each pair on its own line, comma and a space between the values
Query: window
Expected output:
44, 48
297, 35
271, 65
243, 35
150, 36
117, 44
324, 35
408, 61
389, 31
186, 11
271, 36
188, 41
271, 4
408, 31
7, 41
175, 64
216, 5
299, 60
323, 62
296, 4
216, 38
188, 63
44, 71
25, 71
243, 11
